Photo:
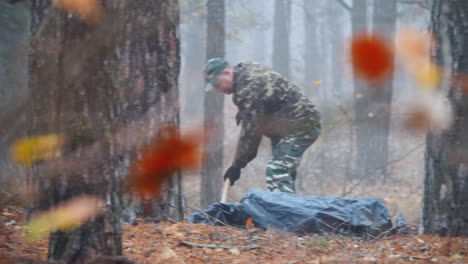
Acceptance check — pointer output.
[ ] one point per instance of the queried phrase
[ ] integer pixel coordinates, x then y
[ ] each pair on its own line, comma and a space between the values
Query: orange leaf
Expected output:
90, 11
371, 58
413, 44
162, 158
249, 224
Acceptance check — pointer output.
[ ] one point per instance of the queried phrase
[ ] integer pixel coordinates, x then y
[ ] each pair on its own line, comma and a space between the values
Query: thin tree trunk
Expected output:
337, 53
312, 55
380, 98
281, 53
259, 51
212, 179
361, 93
193, 59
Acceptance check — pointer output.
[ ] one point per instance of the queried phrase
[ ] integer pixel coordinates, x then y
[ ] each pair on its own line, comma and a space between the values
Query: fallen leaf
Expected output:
167, 253
249, 224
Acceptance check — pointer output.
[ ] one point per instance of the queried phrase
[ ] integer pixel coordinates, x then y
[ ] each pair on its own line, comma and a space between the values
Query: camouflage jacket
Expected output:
269, 105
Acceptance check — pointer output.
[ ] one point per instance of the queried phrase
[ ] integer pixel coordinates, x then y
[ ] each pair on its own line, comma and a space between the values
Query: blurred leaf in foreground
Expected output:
429, 112
90, 11
164, 156
413, 46
371, 57
27, 151
66, 216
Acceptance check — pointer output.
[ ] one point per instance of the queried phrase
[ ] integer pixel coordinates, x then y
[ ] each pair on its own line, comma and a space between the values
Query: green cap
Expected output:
213, 69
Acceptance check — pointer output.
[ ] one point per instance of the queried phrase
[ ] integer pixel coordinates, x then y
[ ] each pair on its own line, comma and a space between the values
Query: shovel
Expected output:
224, 194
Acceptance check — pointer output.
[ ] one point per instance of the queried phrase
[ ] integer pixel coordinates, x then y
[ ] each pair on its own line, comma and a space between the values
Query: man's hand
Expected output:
233, 174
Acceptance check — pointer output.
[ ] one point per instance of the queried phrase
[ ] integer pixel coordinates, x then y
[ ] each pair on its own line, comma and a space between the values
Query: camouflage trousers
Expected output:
286, 156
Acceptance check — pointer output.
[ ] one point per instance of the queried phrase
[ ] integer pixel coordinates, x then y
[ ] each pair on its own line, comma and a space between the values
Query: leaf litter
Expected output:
185, 242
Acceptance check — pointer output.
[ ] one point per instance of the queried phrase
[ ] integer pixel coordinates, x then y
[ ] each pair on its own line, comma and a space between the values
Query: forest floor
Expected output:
185, 242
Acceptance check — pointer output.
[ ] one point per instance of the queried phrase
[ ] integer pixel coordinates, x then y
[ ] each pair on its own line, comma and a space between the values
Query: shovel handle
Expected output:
224, 194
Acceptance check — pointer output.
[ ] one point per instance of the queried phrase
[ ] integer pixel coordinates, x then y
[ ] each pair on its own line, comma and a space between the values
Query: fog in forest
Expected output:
106, 126
319, 34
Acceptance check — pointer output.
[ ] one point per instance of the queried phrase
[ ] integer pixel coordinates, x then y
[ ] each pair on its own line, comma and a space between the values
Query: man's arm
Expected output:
249, 140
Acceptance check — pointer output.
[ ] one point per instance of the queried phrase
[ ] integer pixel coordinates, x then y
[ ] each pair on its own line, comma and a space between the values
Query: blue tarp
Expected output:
301, 214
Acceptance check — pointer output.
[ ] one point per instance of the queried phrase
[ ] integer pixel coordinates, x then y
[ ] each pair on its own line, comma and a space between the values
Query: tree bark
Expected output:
211, 179
445, 201
90, 83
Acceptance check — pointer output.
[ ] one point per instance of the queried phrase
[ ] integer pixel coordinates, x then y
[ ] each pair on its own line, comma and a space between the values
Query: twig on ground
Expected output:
10, 247
14, 209
413, 258
214, 219
30, 250
218, 246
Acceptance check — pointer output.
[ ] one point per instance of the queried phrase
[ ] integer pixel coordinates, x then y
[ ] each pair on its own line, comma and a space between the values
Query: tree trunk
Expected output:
445, 202
14, 49
212, 179
92, 83
281, 33
379, 104
361, 93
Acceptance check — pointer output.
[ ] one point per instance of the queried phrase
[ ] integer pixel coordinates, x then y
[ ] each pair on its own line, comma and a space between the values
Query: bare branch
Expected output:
218, 246
422, 4
345, 5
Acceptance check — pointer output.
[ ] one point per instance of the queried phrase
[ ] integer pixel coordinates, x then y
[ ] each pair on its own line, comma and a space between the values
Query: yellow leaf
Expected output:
90, 11
429, 76
317, 83
426, 73
65, 216
27, 151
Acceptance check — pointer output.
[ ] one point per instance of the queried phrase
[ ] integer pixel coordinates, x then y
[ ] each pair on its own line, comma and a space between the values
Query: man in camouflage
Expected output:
268, 105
